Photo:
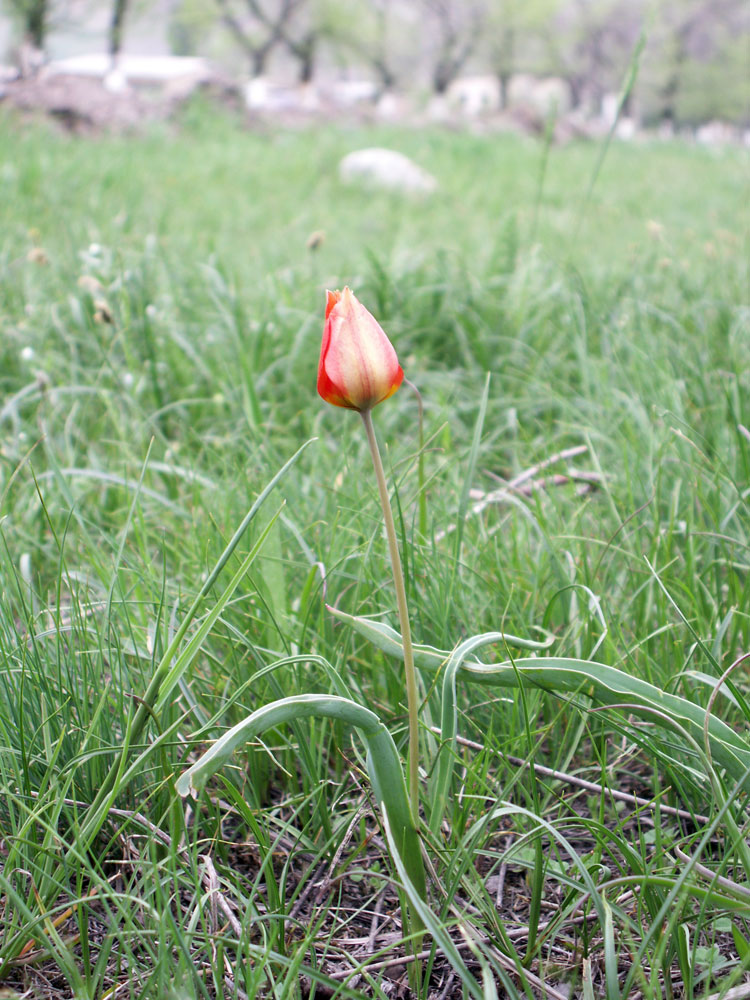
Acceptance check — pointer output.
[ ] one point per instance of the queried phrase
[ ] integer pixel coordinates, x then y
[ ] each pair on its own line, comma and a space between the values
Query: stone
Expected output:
545, 95
387, 169
717, 133
475, 96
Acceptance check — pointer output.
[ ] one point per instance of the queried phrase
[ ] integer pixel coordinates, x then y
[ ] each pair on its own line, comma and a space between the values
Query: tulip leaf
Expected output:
711, 682
449, 724
605, 685
389, 641
383, 763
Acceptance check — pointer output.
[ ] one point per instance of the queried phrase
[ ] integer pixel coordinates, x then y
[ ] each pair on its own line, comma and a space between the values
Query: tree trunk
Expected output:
257, 53
453, 57
116, 27
671, 88
442, 76
305, 53
36, 22
504, 64
386, 76
258, 60
576, 84
503, 78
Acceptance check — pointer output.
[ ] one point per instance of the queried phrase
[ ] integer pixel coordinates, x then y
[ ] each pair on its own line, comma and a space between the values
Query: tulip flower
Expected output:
358, 369
358, 366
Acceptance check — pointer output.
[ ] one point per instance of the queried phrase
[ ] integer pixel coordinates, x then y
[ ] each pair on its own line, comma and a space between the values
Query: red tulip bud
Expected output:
358, 366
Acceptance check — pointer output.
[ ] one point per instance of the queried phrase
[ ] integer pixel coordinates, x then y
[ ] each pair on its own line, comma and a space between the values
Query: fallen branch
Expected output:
589, 786
518, 485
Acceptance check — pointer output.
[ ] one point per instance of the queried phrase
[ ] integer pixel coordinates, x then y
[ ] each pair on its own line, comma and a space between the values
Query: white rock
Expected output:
352, 92
717, 133
626, 129
116, 82
544, 95
475, 95
393, 107
610, 104
256, 92
438, 109
264, 94
386, 168
136, 69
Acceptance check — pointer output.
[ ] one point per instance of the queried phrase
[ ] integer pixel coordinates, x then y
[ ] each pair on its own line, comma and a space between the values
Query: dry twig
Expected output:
589, 786
516, 485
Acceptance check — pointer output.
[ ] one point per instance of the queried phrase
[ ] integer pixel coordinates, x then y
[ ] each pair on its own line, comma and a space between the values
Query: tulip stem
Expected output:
412, 698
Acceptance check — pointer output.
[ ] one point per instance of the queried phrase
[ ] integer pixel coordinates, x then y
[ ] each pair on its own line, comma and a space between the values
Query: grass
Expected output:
143, 411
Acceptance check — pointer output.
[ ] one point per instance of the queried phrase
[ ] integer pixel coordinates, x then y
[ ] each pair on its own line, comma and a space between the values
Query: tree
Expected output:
33, 16
376, 33
261, 27
453, 31
690, 36
302, 34
304, 48
590, 43
513, 28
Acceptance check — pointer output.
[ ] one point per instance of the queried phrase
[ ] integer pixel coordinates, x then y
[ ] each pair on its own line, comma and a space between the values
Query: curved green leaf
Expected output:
383, 763
605, 685
449, 724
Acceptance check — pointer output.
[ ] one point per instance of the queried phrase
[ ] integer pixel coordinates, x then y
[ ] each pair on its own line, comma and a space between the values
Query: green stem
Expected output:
412, 698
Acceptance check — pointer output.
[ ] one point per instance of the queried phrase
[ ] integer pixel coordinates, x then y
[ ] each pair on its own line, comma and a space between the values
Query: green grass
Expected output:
140, 419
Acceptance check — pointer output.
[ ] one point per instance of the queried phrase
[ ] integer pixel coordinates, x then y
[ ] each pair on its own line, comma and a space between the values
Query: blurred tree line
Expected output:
695, 64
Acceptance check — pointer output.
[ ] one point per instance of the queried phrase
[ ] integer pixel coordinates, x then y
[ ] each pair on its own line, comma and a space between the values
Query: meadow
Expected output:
576, 322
